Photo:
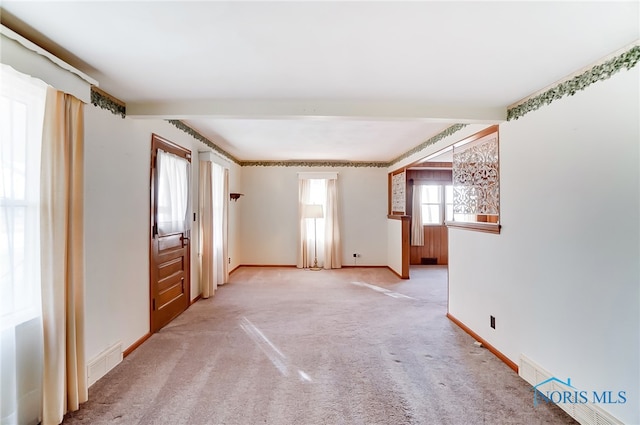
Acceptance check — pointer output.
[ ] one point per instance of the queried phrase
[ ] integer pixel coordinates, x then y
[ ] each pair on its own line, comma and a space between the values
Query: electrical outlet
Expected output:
355, 255
492, 321
229, 260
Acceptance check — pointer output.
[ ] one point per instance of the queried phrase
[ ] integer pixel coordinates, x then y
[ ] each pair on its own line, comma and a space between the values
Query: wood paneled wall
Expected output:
436, 245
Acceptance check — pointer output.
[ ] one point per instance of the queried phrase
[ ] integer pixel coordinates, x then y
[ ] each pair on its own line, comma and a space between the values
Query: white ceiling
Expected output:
360, 81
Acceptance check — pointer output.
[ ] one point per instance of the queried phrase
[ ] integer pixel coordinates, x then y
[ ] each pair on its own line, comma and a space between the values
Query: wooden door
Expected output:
170, 251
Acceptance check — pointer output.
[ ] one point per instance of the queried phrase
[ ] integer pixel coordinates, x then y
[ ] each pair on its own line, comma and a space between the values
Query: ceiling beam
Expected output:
300, 109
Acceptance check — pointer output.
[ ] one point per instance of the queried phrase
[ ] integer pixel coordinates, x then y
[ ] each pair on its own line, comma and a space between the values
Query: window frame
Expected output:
442, 204
20, 283
488, 223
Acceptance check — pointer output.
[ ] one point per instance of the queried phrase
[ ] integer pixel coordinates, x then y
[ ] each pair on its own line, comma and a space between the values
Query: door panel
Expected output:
170, 268
170, 253
169, 242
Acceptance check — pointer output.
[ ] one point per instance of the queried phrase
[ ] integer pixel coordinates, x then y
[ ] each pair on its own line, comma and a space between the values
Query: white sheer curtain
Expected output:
214, 211
22, 100
173, 193
332, 241
417, 228
220, 229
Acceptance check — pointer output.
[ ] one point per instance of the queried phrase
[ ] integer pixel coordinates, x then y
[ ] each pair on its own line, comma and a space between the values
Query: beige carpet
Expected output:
289, 346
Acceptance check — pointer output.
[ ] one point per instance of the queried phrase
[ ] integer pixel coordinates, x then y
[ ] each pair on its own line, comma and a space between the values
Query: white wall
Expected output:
269, 213
394, 245
117, 158
562, 279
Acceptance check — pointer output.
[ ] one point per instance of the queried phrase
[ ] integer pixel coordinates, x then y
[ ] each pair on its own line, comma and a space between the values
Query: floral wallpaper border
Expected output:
627, 60
372, 164
105, 102
445, 133
193, 133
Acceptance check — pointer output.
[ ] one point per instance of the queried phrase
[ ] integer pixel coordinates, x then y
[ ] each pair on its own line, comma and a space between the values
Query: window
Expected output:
173, 193
22, 102
319, 229
21, 118
437, 204
476, 182
448, 202
315, 235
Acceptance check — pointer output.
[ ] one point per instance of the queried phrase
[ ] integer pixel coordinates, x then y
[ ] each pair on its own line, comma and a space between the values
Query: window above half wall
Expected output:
476, 182
472, 167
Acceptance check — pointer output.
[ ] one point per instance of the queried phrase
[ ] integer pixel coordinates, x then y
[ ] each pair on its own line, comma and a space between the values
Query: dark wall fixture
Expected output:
235, 196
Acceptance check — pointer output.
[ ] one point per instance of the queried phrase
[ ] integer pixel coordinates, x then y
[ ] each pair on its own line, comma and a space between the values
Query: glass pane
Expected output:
431, 214
449, 213
19, 138
448, 194
431, 194
317, 191
173, 193
448, 199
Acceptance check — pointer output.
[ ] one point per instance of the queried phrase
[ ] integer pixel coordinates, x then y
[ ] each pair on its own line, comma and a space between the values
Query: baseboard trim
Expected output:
488, 346
344, 266
135, 345
357, 266
195, 300
396, 273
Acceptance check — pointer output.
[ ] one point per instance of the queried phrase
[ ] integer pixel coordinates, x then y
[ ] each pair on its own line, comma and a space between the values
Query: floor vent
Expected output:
428, 260
103, 363
585, 414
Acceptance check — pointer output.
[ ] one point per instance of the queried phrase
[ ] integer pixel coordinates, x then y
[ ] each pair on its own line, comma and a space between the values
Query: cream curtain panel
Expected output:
62, 256
417, 229
214, 213
332, 241
206, 229
223, 241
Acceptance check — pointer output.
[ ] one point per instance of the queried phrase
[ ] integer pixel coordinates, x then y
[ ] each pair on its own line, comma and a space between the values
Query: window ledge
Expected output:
398, 217
478, 227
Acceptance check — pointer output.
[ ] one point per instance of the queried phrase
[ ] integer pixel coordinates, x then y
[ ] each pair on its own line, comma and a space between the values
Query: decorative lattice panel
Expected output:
476, 177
